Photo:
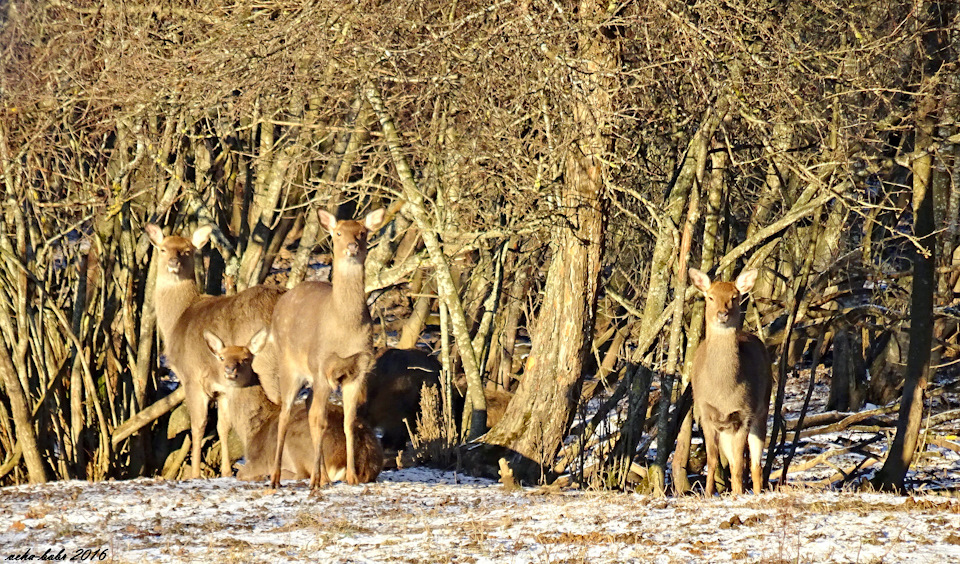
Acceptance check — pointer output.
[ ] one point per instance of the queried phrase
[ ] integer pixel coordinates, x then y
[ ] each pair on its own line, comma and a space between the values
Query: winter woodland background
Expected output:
550, 170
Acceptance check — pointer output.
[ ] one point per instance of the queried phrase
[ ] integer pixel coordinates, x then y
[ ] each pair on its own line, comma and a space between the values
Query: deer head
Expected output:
723, 298
177, 253
349, 235
237, 361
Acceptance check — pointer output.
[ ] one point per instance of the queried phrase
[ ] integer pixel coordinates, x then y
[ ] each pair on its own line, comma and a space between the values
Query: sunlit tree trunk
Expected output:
538, 417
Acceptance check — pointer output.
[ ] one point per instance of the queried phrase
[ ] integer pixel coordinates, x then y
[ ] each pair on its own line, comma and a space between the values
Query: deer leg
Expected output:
197, 407
287, 397
737, 443
223, 432
710, 442
318, 427
353, 393
755, 440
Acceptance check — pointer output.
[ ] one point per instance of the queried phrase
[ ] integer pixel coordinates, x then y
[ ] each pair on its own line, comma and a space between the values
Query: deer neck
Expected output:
171, 299
722, 339
348, 293
723, 346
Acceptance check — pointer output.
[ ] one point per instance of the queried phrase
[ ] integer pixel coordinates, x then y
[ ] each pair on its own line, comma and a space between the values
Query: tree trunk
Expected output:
894, 471
514, 308
446, 287
536, 421
715, 196
22, 420
410, 334
848, 381
886, 370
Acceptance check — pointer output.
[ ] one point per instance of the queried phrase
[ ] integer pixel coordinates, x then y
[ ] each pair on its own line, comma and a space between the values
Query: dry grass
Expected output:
435, 439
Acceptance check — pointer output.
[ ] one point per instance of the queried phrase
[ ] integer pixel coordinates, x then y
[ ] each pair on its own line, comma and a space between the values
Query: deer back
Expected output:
394, 389
298, 453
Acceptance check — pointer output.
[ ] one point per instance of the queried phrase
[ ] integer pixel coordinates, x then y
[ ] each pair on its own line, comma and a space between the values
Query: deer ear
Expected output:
201, 236
699, 279
258, 341
746, 280
374, 219
213, 342
327, 220
154, 233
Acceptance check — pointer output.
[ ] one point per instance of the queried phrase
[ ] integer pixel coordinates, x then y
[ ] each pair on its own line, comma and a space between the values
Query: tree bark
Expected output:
715, 200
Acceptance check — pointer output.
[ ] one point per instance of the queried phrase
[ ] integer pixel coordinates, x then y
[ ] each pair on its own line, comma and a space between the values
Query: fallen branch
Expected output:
843, 475
849, 421
13, 460
826, 455
942, 443
146, 416
171, 467
941, 418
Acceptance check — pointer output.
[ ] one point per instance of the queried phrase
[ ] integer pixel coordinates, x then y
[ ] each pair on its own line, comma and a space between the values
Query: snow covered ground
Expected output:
422, 515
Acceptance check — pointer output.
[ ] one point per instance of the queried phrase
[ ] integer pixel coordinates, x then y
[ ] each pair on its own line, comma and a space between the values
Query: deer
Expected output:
254, 418
394, 392
731, 381
183, 313
324, 338
395, 383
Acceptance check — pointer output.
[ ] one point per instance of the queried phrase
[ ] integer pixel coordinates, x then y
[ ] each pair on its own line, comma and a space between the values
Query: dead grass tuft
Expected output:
435, 438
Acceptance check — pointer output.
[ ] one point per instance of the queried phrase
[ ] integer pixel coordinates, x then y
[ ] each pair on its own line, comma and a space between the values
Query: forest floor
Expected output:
422, 515
425, 515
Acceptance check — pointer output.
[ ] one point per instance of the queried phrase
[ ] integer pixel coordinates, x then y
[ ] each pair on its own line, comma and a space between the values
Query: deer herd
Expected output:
255, 352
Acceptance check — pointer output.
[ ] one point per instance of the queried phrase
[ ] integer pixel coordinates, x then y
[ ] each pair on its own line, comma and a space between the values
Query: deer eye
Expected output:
339, 234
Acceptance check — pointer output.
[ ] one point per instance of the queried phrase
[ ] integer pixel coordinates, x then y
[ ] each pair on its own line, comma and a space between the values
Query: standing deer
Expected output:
254, 418
731, 381
182, 316
324, 338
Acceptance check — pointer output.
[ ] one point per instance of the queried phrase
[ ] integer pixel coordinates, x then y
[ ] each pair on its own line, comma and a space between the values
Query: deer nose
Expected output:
353, 249
723, 316
230, 372
173, 266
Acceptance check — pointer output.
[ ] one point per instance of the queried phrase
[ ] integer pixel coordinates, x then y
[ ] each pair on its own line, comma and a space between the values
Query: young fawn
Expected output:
318, 325
182, 316
254, 418
731, 381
